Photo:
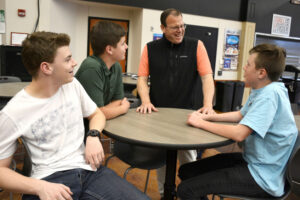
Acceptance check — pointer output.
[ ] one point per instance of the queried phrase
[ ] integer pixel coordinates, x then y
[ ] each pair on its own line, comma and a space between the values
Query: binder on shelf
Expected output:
224, 95
238, 95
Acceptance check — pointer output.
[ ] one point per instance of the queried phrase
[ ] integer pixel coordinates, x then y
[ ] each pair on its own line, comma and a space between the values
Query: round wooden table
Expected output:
166, 129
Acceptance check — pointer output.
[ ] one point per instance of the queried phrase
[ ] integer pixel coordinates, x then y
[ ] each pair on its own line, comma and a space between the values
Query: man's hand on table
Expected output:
146, 108
206, 110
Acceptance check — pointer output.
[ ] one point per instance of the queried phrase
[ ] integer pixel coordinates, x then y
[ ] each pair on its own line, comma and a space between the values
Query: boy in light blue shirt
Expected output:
266, 126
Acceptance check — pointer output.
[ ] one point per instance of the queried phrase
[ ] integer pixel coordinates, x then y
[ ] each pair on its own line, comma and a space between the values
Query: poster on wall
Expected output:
2, 21
16, 39
281, 25
231, 50
157, 36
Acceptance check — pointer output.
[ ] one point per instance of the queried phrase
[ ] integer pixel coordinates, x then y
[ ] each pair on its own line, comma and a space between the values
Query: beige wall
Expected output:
2, 36
71, 17
19, 24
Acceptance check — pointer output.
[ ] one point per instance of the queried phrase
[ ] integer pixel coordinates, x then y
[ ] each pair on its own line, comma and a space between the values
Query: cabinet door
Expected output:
209, 36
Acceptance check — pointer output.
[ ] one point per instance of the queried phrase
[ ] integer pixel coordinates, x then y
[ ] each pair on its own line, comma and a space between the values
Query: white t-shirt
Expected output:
52, 128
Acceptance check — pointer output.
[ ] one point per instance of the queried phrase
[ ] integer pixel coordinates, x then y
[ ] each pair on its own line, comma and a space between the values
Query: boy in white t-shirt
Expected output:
48, 114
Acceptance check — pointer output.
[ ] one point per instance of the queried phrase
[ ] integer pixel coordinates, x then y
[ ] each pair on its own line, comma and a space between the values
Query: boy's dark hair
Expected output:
166, 13
105, 33
271, 58
41, 47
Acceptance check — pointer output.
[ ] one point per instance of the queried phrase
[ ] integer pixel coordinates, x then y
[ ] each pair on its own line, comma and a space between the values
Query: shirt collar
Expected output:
103, 65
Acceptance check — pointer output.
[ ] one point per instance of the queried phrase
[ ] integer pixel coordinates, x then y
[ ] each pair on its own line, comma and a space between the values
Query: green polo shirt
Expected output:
102, 84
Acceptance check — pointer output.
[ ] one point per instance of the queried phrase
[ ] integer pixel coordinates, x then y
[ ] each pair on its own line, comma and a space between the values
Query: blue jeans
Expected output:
104, 184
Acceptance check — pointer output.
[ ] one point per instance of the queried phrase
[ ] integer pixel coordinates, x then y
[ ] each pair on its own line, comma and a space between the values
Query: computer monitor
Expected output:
11, 62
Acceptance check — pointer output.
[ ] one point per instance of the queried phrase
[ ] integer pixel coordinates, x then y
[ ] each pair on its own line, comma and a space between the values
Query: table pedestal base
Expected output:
169, 187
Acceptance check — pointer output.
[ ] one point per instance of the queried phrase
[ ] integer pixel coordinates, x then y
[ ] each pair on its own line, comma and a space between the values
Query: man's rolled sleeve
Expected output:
203, 63
144, 63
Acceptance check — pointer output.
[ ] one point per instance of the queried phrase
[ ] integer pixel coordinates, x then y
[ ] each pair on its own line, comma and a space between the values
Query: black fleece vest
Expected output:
173, 72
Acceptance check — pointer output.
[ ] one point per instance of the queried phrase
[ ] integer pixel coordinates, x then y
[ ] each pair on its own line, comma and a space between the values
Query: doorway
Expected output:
123, 23
209, 36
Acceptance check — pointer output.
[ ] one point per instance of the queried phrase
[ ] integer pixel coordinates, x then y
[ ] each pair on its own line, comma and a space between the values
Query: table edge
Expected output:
168, 146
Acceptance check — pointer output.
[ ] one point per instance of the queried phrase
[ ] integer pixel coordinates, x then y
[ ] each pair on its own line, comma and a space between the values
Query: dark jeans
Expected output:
103, 184
225, 173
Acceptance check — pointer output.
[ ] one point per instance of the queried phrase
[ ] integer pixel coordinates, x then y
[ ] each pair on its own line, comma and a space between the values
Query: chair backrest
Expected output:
139, 156
134, 102
293, 172
27, 165
7, 79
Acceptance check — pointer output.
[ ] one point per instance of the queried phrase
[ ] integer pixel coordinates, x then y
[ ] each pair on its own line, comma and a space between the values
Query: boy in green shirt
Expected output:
101, 74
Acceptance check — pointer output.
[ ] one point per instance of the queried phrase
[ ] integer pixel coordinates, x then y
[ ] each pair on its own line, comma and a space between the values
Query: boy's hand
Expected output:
94, 154
195, 119
125, 104
53, 191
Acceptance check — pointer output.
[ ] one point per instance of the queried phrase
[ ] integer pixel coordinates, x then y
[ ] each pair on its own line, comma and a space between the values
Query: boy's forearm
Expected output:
235, 132
113, 104
15, 182
97, 120
235, 116
111, 112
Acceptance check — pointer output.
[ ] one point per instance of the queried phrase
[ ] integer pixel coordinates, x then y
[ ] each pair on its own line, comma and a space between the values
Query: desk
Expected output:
9, 90
129, 81
166, 129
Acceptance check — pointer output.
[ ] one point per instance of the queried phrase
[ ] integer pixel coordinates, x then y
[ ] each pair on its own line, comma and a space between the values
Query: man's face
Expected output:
63, 65
119, 52
174, 31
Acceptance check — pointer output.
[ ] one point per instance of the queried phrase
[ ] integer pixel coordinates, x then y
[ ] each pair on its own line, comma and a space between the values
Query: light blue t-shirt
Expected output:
268, 113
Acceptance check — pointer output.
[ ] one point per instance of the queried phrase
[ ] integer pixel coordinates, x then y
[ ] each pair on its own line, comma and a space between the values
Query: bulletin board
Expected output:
231, 50
124, 23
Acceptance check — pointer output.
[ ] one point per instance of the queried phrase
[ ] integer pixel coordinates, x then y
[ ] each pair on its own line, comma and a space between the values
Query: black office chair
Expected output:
292, 178
134, 102
291, 82
293, 173
27, 163
26, 168
7, 79
137, 156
